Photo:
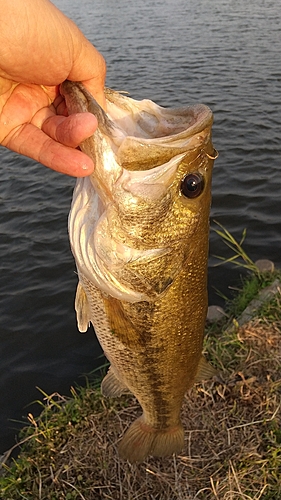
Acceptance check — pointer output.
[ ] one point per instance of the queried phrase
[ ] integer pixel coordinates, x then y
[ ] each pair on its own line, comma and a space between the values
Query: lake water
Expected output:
222, 53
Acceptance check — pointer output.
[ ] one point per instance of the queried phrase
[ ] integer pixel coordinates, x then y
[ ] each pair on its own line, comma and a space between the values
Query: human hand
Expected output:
39, 49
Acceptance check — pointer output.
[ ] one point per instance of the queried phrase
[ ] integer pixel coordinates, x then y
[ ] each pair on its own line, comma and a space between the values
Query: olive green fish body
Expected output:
139, 233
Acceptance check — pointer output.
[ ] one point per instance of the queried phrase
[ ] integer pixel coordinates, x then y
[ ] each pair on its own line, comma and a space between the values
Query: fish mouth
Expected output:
147, 120
151, 130
133, 129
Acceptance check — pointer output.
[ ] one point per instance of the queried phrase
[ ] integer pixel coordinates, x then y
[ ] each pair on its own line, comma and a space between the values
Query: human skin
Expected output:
39, 49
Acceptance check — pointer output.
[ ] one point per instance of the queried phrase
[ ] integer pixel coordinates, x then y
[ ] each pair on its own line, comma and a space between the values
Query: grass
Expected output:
232, 439
240, 257
251, 285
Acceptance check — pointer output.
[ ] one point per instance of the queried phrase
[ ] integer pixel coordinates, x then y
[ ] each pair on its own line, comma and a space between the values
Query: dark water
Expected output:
223, 53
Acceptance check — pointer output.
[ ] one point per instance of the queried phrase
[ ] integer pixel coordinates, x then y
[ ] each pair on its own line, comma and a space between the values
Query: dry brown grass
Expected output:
233, 437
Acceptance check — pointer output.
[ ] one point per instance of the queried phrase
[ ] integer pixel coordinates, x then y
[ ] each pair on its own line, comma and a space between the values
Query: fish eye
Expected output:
192, 185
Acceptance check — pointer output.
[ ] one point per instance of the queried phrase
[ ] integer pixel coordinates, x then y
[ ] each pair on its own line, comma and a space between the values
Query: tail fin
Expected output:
142, 440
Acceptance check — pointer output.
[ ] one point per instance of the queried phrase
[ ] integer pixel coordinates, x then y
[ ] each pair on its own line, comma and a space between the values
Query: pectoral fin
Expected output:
82, 309
205, 370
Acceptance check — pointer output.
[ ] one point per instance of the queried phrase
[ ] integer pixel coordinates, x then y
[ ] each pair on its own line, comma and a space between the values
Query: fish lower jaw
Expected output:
142, 440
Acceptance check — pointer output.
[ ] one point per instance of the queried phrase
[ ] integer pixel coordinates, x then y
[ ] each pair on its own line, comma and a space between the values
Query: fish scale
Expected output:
139, 230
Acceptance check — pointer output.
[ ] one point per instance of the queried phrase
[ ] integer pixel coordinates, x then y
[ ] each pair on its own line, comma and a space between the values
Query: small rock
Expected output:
265, 265
215, 313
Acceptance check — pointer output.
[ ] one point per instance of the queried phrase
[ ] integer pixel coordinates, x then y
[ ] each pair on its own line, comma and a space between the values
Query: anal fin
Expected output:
205, 370
112, 387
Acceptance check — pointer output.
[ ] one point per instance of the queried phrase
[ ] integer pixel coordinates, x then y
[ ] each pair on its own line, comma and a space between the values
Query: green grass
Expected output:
44, 440
239, 257
250, 286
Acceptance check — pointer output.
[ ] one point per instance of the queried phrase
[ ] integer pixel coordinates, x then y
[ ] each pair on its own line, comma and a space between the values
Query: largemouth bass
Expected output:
139, 231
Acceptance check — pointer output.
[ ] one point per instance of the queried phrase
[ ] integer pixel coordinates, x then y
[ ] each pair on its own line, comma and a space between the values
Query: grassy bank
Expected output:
233, 437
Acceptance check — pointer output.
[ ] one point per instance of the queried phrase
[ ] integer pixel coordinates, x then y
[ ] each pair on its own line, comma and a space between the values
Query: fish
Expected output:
139, 233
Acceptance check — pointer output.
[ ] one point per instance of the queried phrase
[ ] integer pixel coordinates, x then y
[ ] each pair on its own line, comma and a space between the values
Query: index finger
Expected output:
34, 143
